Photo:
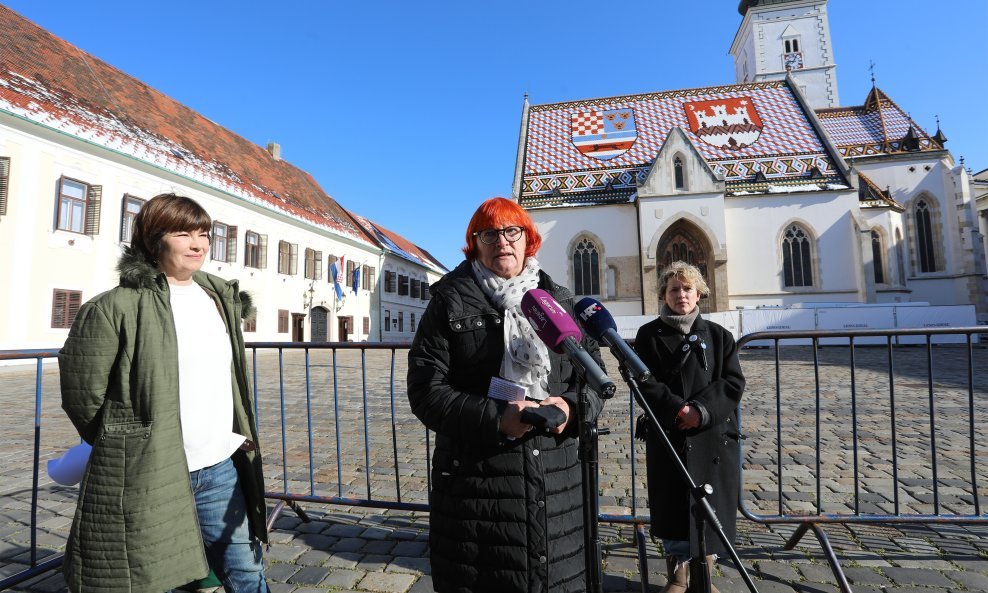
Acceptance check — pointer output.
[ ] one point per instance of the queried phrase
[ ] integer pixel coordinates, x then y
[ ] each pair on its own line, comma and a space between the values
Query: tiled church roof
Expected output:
48, 81
877, 127
872, 196
757, 136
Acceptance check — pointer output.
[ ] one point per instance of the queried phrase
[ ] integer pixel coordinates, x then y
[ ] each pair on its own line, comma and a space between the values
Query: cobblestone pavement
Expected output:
382, 453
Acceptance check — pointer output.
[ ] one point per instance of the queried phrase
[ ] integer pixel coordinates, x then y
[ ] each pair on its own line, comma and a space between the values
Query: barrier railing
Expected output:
336, 429
917, 429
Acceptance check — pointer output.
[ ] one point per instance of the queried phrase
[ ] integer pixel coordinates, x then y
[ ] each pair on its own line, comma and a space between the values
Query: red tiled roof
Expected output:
399, 245
755, 135
48, 81
877, 127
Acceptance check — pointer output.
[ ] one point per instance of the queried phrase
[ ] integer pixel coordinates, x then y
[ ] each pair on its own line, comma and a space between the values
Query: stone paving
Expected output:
382, 454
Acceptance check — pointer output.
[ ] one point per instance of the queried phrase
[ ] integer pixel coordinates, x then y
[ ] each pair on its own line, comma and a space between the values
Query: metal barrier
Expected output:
928, 423
333, 432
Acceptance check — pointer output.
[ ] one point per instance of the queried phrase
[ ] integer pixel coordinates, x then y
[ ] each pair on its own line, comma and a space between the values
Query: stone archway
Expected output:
684, 241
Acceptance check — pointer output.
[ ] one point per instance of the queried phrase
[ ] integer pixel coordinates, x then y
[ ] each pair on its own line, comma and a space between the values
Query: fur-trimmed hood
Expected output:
137, 272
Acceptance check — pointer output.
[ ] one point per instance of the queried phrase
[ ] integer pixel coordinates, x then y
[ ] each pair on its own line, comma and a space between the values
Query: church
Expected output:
778, 193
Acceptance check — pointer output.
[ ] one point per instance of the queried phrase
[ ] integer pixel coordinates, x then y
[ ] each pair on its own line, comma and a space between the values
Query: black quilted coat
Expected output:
712, 452
506, 516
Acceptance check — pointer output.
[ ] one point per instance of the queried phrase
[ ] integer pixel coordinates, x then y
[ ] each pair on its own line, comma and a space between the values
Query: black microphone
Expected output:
599, 325
557, 329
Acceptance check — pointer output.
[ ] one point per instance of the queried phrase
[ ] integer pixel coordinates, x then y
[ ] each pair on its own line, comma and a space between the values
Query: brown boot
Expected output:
711, 566
677, 576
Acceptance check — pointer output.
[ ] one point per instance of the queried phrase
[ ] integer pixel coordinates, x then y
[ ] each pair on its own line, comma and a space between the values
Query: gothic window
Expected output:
926, 253
797, 261
678, 173
876, 256
900, 257
586, 268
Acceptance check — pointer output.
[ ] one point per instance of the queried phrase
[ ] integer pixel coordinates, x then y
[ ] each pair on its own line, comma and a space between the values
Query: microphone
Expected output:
599, 325
557, 329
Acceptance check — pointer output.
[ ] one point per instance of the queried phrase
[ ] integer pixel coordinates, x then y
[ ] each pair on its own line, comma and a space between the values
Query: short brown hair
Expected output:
685, 273
500, 212
163, 214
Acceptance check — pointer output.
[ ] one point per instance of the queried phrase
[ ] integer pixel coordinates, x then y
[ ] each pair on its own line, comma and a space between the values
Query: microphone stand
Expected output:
702, 511
590, 483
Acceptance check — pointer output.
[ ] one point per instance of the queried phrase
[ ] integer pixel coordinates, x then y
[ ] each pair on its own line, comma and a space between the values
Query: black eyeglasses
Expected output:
489, 236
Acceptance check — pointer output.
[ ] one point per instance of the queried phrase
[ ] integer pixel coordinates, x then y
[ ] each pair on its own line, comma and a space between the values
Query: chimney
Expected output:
275, 149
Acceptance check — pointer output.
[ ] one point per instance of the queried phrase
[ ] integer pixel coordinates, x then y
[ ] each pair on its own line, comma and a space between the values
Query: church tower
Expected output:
779, 37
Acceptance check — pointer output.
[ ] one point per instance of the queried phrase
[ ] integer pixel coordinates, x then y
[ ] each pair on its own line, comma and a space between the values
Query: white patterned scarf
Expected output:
526, 358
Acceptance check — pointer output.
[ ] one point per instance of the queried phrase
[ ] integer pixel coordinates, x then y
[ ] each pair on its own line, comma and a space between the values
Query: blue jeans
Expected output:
233, 554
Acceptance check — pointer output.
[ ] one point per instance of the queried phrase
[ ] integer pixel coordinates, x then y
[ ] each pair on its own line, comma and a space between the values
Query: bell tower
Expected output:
780, 37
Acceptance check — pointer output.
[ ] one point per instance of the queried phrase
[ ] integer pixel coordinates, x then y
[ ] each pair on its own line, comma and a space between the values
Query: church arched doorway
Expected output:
683, 241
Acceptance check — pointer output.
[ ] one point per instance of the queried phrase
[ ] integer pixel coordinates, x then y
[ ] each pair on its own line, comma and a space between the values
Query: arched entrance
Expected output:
318, 324
683, 241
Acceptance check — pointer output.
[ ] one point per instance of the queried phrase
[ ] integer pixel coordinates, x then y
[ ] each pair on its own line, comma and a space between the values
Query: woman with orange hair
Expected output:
506, 502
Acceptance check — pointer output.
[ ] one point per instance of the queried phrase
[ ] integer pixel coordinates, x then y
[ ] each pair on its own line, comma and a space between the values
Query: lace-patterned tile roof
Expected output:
400, 246
48, 81
756, 136
872, 196
877, 127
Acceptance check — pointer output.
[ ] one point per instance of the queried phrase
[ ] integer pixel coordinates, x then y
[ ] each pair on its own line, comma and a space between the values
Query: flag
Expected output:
356, 278
336, 273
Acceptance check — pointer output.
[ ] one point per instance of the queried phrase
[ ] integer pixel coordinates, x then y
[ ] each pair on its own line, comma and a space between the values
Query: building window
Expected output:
256, 250
128, 214
366, 326
900, 257
390, 281
416, 288
402, 285
250, 325
350, 267
797, 262
64, 307
425, 290
924, 238
78, 206
586, 268
4, 178
401, 321
876, 256
282, 321
224, 243
287, 258
313, 264
678, 173
411, 322
367, 279
387, 320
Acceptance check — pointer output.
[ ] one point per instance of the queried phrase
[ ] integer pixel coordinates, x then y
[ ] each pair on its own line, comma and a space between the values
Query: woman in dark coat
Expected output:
506, 501
694, 391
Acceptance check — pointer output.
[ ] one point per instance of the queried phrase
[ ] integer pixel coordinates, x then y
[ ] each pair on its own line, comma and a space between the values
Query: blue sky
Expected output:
408, 112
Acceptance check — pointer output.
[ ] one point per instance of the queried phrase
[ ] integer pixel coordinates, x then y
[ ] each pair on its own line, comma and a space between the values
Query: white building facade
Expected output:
83, 145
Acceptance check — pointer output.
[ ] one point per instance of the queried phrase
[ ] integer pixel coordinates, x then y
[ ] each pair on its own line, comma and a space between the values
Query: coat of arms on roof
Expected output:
725, 123
604, 134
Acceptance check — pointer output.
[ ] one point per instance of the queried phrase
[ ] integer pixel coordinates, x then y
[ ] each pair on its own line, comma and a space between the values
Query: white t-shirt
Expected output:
205, 384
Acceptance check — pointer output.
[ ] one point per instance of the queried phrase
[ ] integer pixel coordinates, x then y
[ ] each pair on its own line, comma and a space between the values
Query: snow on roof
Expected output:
754, 135
46, 80
400, 246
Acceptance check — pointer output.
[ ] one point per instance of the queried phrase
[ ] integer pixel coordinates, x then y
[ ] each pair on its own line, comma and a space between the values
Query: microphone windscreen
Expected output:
594, 318
548, 318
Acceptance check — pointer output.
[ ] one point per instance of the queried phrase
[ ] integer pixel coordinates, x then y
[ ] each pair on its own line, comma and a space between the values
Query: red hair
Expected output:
500, 213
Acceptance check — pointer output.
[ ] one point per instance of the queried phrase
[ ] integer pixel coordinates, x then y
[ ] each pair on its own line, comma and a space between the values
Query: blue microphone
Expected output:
599, 325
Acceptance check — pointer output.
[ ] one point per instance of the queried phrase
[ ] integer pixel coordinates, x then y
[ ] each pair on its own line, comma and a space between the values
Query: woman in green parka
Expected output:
154, 377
